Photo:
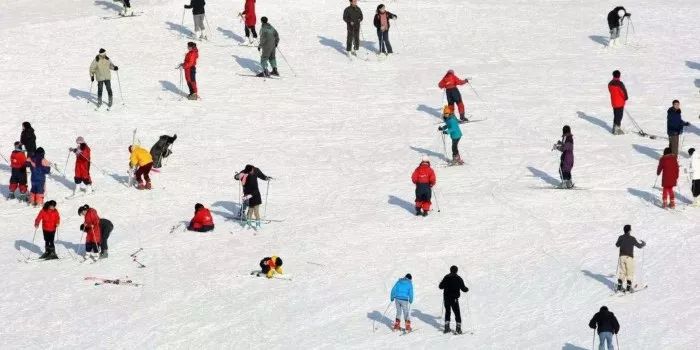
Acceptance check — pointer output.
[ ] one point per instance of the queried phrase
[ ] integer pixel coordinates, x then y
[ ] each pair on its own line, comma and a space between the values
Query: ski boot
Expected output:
629, 287
447, 328
192, 97
11, 195
458, 330
258, 223
457, 160
109, 102
52, 254
397, 325
418, 211
696, 202
45, 255
463, 118
353, 52
672, 205
275, 72
425, 213
619, 285
264, 74
148, 185
104, 254
141, 186
408, 326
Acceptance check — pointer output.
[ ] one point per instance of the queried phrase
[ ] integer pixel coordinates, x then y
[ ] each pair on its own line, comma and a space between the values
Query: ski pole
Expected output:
437, 205
181, 90
617, 341
475, 93
33, 238
5, 159
656, 181
267, 193
383, 316
627, 31
182, 24
88, 99
66, 166
121, 94
444, 146
208, 26
287, 62
593, 343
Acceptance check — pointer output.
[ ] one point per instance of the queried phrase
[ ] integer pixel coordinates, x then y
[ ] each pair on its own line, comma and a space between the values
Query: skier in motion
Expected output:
251, 193
450, 82
269, 39
451, 285
566, 163
618, 98
353, 18
452, 128
615, 19
190, 68
424, 179
625, 269
100, 69
197, 7
402, 294
606, 324
82, 165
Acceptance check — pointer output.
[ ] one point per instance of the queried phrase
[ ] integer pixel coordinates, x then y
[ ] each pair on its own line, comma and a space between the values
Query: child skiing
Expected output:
271, 265
93, 235
18, 177
249, 179
249, 17
269, 39
668, 165
402, 294
424, 179
606, 324
40, 167
202, 220
381, 22
452, 127
82, 165
618, 98
451, 285
100, 69
626, 242
566, 162
49, 219
143, 162
28, 139
190, 68
197, 7
450, 82
695, 176
161, 149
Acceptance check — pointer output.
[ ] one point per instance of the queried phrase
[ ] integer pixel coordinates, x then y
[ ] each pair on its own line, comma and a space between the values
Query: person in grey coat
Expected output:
100, 69
566, 147
352, 17
267, 47
625, 269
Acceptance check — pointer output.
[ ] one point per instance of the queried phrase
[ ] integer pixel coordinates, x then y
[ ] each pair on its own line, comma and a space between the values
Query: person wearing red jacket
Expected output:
424, 179
190, 67
450, 82
93, 235
249, 17
18, 177
618, 97
82, 165
49, 219
668, 165
202, 220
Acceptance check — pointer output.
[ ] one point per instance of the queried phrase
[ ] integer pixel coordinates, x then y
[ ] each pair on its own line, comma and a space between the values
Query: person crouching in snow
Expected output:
271, 265
452, 127
40, 167
566, 163
424, 179
695, 176
402, 294
49, 219
142, 160
668, 165
82, 165
93, 235
202, 220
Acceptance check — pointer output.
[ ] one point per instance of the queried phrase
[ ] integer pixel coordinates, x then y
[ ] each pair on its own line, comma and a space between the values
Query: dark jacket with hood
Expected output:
451, 285
249, 178
197, 7
28, 139
604, 321
614, 17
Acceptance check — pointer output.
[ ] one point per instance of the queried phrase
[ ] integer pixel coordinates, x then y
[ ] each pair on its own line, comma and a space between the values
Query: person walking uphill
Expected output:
28, 139
451, 285
49, 219
668, 166
381, 22
566, 163
197, 7
402, 294
249, 179
353, 18
190, 68
625, 269
249, 18
674, 125
18, 175
424, 179
606, 324
82, 165
615, 19
618, 98
143, 162
100, 69
450, 82
269, 39
452, 127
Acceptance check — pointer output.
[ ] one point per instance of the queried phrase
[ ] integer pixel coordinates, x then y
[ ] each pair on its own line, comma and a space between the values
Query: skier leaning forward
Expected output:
402, 294
269, 39
625, 270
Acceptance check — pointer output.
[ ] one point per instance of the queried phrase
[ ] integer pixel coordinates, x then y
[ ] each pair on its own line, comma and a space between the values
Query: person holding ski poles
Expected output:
402, 294
615, 19
82, 165
251, 193
91, 227
668, 166
606, 324
452, 127
451, 285
269, 39
100, 69
381, 22
49, 219
618, 98
674, 125
450, 82
424, 179
566, 162
190, 68
197, 7
352, 17
626, 242
249, 17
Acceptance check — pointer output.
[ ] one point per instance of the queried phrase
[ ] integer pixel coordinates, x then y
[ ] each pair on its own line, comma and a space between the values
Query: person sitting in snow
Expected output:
202, 220
271, 265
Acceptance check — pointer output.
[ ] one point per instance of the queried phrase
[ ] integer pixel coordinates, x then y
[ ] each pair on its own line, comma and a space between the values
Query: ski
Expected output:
559, 188
258, 273
405, 332
80, 195
622, 293
175, 227
118, 281
651, 136
247, 45
133, 255
135, 14
264, 221
472, 121
255, 76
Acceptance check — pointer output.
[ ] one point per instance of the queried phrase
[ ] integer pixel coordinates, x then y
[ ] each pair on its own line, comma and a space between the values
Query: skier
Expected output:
668, 165
197, 7
161, 149
381, 22
451, 285
28, 139
269, 39
452, 127
40, 167
450, 82
249, 178
271, 265
674, 125
143, 162
615, 19
618, 97
402, 294
249, 17
694, 175
49, 219
126, 9
606, 324
625, 264
190, 67
566, 162
106, 228
91, 227
82, 165
100, 69
202, 220
18, 177
353, 17
424, 179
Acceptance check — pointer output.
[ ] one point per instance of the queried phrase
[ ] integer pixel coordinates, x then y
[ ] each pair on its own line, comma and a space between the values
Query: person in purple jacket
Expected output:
566, 147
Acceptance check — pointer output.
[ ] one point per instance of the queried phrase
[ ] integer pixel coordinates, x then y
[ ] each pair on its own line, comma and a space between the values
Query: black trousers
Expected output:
105, 230
126, 3
249, 30
617, 116
48, 239
353, 40
108, 85
696, 188
455, 149
452, 305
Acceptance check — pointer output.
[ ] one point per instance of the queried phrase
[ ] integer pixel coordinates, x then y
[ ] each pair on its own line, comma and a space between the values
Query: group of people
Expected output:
352, 16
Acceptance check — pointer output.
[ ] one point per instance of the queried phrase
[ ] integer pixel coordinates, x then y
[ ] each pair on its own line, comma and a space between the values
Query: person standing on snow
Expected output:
566, 162
249, 17
197, 7
249, 179
28, 139
618, 98
625, 268
82, 165
271, 265
269, 39
18, 175
190, 67
91, 227
106, 228
451, 285
353, 18
452, 127
668, 165
49, 219
424, 179
202, 220
381, 22
695, 176
674, 125
615, 19
143, 162
100, 69
402, 294
450, 82
126, 9
40, 167
606, 324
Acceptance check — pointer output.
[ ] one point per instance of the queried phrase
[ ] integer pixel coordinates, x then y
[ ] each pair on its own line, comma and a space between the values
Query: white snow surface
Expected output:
341, 139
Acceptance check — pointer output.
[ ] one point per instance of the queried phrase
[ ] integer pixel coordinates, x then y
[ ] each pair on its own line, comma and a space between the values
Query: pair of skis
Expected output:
117, 281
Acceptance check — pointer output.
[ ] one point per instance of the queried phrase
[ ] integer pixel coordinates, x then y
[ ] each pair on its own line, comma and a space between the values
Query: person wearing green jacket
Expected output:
100, 69
267, 47
452, 127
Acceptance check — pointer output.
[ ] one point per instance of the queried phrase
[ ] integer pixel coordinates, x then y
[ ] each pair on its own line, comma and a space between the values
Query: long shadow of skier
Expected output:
410, 207
435, 112
544, 176
247, 63
332, 43
168, 86
647, 196
692, 65
19, 244
647, 151
429, 319
569, 346
600, 278
230, 34
594, 120
430, 153
80, 94
179, 28
76, 248
600, 39
377, 316
108, 5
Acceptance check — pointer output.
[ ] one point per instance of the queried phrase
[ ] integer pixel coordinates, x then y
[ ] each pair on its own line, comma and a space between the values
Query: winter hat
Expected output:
627, 228
130, 147
616, 74
26, 125
83, 209
103, 50
425, 159
453, 269
379, 7
263, 19
191, 44
450, 71
603, 308
40, 151
447, 110
49, 204
80, 140
248, 168
566, 130
408, 275
667, 150
198, 206
691, 151
278, 261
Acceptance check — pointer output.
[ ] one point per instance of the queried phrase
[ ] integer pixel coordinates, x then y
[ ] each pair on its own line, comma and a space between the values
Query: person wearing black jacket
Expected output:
606, 324
615, 21
626, 242
28, 139
381, 22
161, 149
251, 193
197, 7
352, 17
451, 285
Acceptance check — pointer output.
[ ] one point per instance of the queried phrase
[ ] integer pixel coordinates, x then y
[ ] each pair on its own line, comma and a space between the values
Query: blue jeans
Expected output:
384, 44
606, 337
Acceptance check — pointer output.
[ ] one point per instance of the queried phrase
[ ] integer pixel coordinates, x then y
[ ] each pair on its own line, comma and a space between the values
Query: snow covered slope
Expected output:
341, 139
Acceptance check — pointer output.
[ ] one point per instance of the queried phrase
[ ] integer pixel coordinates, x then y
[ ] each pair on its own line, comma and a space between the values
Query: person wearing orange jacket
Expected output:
93, 235
18, 177
190, 68
82, 165
202, 220
618, 97
450, 82
424, 179
668, 165
49, 219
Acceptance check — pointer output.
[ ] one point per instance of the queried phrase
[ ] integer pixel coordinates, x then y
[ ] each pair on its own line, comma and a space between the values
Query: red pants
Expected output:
191, 78
668, 192
143, 171
22, 188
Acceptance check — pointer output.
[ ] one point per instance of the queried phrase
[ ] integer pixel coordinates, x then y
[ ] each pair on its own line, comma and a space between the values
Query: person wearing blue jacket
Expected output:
402, 294
674, 125
40, 167
452, 127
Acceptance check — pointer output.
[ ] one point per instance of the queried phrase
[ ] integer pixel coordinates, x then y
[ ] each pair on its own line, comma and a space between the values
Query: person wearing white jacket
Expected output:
695, 176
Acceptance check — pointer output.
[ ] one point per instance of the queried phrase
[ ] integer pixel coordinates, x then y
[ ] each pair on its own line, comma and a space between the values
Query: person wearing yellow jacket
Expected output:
271, 265
143, 162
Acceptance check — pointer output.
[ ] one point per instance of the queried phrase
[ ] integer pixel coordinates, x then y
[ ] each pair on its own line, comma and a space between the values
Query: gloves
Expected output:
71, 149
644, 244
259, 48
237, 176
92, 78
116, 68
467, 79
82, 227
186, 6
391, 299
439, 128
